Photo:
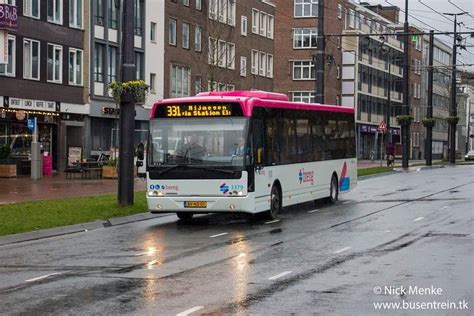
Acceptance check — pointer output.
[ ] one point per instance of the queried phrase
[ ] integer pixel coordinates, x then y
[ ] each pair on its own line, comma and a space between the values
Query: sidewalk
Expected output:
362, 164
23, 189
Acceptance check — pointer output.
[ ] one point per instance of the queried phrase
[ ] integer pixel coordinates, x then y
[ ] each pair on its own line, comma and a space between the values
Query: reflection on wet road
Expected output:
316, 259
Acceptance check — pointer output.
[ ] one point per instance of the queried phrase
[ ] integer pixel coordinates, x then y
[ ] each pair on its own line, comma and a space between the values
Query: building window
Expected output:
139, 66
185, 35
269, 66
338, 72
243, 66
305, 38
213, 9
153, 32
99, 50
99, 12
306, 8
8, 69
221, 57
138, 17
75, 13
55, 64
213, 51
113, 15
31, 8
198, 39
186, 3
303, 70
31, 59
199, 5
243, 25
231, 12
263, 23
152, 83
262, 62
255, 20
112, 60
351, 19
254, 62
179, 81
270, 26
306, 97
198, 84
339, 11
230, 55
75, 66
55, 11
172, 31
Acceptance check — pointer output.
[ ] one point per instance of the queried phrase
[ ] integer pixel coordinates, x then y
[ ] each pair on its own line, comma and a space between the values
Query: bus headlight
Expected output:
240, 193
156, 193
158, 206
231, 207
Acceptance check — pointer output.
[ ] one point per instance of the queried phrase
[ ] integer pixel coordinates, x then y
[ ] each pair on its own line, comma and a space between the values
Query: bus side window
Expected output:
258, 144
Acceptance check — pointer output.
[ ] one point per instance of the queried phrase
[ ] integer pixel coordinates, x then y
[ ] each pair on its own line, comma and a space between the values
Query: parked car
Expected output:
469, 155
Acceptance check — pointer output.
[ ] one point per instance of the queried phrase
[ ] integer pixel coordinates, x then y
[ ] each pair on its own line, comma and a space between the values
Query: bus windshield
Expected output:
214, 142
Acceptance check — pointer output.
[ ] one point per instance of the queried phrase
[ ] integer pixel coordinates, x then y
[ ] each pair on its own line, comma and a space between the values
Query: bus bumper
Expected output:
212, 204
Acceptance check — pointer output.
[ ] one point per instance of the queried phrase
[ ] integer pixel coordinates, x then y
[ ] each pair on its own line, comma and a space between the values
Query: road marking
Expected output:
387, 231
279, 275
218, 235
313, 211
347, 202
189, 311
342, 250
271, 222
141, 254
445, 207
242, 254
42, 277
418, 219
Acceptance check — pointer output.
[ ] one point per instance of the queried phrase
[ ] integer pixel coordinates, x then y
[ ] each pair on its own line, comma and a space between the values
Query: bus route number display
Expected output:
198, 110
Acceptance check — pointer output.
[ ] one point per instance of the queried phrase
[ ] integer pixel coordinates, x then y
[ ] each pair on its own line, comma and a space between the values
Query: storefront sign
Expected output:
373, 129
8, 17
111, 111
34, 105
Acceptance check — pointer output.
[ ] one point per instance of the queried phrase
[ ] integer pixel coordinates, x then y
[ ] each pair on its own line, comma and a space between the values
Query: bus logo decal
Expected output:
306, 176
344, 183
155, 187
224, 188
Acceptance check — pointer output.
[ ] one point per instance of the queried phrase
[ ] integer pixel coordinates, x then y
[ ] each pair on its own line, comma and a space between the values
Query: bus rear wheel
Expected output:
275, 203
185, 216
333, 190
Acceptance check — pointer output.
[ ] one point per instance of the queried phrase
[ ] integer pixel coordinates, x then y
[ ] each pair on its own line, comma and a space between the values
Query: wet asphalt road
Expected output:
401, 231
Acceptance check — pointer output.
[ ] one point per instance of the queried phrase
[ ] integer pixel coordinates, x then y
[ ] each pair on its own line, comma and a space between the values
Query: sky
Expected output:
430, 12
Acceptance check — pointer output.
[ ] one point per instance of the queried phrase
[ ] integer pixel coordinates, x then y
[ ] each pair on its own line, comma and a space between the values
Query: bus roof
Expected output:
251, 99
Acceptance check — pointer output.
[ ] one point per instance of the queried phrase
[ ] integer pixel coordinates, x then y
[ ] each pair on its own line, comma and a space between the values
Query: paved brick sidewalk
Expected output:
23, 189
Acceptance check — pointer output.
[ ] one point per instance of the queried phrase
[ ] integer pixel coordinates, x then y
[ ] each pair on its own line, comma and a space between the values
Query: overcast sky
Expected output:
423, 11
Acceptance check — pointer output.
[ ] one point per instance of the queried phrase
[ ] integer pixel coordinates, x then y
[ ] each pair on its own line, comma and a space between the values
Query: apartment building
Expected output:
442, 60
101, 129
218, 45
372, 75
44, 78
296, 49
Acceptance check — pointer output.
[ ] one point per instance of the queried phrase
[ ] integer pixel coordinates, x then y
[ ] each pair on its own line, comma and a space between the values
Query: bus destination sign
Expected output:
198, 110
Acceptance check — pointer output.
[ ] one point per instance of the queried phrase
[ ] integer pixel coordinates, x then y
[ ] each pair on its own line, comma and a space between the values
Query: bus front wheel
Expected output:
185, 216
333, 191
275, 203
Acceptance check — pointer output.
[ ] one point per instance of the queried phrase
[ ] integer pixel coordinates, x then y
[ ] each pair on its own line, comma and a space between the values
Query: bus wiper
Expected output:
212, 169
170, 168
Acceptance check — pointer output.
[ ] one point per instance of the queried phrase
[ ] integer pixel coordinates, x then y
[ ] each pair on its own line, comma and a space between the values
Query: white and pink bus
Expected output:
247, 151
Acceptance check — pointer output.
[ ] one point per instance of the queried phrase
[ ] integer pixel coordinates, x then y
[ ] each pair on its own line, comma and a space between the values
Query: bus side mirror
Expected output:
140, 153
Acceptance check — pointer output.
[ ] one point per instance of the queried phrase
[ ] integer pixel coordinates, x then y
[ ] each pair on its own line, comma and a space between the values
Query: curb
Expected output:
77, 228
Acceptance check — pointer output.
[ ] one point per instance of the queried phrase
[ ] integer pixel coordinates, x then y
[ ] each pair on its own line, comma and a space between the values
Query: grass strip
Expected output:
30, 216
372, 170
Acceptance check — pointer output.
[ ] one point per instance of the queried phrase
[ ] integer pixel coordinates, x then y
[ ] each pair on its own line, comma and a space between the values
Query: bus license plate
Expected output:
195, 204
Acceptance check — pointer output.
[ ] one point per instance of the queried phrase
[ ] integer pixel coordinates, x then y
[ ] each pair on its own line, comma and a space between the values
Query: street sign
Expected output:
414, 38
31, 123
382, 127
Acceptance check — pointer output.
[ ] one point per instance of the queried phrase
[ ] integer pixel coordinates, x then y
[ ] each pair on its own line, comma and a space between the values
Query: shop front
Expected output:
16, 137
369, 140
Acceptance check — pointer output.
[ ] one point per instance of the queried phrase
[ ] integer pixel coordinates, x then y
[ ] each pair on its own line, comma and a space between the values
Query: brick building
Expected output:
218, 45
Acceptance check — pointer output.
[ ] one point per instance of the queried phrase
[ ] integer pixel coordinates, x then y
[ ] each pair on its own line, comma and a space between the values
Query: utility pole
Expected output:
429, 110
453, 109
406, 96
320, 55
127, 109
